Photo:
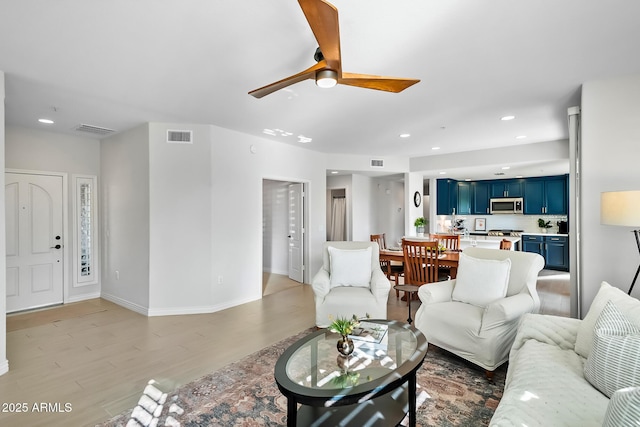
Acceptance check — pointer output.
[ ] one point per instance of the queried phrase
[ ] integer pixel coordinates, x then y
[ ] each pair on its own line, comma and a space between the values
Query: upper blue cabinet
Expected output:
546, 195
447, 197
507, 188
480, 197
542, 195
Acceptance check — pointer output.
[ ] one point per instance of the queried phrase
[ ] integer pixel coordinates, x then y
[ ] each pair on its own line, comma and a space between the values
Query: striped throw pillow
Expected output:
623, 409
614, 360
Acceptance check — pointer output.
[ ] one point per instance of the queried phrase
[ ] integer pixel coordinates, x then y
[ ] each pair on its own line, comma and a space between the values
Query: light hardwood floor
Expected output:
98, 356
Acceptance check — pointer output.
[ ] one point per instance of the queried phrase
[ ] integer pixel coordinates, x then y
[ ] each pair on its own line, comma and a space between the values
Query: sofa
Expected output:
570, 372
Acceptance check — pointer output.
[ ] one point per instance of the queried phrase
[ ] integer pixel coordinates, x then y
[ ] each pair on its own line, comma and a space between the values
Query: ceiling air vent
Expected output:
180, 136
94, 129
377, 163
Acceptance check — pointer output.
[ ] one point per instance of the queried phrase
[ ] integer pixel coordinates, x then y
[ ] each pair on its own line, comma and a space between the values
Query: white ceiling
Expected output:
120, 63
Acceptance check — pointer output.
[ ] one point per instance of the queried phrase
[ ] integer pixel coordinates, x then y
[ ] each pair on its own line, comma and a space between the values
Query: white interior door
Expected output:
33, 206
296, 232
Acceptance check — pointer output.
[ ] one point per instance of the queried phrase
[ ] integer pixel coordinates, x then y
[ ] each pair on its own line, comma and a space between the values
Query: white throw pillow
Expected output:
614, 360
623, 409
481, 281
350, 267
627, 305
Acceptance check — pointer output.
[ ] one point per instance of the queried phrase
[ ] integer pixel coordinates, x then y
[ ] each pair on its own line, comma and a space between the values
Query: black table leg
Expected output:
292, 412
409, 298
412, 400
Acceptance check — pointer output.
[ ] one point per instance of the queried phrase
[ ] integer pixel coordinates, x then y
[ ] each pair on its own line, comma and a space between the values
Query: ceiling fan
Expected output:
323, 20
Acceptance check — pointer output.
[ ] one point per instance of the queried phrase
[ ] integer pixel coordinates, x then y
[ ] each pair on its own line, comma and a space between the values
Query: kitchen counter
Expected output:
544, 234
489, 242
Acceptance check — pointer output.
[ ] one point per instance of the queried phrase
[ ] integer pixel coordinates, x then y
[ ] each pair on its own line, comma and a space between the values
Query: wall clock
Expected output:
417, 199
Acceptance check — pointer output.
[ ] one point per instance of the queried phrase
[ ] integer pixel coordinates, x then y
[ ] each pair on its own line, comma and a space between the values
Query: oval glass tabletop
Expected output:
315, 364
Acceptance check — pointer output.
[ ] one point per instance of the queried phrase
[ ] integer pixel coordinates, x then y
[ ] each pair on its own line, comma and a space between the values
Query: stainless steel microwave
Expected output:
507, 205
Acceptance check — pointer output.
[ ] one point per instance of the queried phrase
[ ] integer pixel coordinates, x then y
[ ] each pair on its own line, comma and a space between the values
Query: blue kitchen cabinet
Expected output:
545, 196
554, 250
447, 196
533, 244
464, 198
507, 188
480, 197
556, 196
557, 252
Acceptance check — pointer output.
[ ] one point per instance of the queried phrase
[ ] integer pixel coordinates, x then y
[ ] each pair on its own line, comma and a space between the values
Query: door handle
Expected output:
56, 247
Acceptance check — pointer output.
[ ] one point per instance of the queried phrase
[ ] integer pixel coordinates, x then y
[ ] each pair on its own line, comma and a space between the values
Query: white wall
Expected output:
389, 209
610, 141
180, 205
413, 182
4, 363
236, 233
40, 150
275, 226
363, 203
124, 207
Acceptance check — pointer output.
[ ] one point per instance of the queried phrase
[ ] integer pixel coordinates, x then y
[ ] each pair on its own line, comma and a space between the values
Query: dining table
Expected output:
446, 259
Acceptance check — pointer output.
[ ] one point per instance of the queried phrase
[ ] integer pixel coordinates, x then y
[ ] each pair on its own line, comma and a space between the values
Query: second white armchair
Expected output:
475, 316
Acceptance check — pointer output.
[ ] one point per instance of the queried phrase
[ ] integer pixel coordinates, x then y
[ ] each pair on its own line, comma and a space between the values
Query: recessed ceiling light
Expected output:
435, 148
334, 172
504, 168
506, 118
442, 173
46, 121
405, 135
521, 136
518, 176
467, 179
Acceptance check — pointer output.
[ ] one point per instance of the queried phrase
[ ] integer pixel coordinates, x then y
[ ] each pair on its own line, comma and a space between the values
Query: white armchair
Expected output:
350, 282
482, 332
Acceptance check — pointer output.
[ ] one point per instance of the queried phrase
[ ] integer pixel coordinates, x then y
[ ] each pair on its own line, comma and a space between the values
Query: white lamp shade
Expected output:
620, 208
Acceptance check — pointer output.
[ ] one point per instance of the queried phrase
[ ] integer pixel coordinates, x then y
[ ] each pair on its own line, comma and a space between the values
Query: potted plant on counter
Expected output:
420, 223
544, 225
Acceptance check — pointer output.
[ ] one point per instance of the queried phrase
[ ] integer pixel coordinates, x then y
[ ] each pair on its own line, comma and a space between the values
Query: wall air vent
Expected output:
93, 129
377, 163
180, 136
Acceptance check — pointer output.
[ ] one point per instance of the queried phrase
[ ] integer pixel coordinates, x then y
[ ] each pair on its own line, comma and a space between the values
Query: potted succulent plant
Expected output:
420, 223
544, 225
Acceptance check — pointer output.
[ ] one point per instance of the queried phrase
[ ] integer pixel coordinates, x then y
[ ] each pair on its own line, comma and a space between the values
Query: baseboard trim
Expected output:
84, 297
4, 367
126, 304
175, 311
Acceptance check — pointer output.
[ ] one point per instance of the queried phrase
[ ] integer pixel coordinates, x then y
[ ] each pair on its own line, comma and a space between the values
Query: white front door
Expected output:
296, 232
33, 206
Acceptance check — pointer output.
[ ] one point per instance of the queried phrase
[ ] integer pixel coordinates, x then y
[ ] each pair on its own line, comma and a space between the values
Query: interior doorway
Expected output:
284, 239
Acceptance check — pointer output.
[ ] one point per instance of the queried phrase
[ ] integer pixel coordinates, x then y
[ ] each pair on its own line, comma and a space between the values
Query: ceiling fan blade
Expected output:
323, 20
388, 84
309, 73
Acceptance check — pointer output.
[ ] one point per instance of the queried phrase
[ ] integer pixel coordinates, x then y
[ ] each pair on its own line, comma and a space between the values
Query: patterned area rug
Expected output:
451, 392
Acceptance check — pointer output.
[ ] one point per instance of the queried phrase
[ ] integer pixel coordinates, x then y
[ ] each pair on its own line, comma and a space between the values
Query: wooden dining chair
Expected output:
391, 269
450, 241
505, 244
420, 262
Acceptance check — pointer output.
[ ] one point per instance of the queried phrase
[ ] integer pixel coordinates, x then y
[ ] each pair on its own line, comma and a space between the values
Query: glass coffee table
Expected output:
377, 387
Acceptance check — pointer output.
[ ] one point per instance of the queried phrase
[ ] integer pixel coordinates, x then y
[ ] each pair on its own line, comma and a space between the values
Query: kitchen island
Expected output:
489, 242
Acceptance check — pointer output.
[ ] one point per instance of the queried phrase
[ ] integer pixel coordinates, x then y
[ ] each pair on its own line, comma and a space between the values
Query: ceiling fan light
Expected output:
326, 78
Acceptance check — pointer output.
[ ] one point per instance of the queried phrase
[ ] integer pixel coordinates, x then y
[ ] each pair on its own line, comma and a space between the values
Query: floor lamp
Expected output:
622, 208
